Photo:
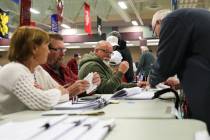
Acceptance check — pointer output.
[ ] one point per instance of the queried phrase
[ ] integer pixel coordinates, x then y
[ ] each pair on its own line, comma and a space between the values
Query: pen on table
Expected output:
47, 125
74, 99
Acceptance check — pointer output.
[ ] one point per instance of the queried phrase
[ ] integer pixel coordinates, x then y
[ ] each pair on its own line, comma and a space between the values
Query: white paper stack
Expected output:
58, 128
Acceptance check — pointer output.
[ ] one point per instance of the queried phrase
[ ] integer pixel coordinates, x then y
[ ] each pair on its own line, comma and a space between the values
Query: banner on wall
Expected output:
54, 23
4, 19
99, 25
87, 18
25, 14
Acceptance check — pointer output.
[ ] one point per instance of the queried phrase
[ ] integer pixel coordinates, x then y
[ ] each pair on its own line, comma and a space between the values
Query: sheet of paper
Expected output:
72, 112
92, 86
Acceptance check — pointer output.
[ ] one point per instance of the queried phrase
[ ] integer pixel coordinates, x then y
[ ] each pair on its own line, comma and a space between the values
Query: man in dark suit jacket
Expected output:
184, 49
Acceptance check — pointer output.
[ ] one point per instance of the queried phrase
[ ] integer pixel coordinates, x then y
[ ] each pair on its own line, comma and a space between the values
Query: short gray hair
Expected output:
160, 15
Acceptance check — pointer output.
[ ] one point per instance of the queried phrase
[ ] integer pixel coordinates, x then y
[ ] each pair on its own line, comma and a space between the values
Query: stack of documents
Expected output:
95, 104
57, 128
137, 93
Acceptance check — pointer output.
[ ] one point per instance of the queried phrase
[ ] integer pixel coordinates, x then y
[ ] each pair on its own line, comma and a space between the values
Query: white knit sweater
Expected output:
17, 91
47, 82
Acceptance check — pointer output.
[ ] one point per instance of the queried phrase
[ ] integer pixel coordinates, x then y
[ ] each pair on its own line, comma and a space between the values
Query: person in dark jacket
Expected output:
126, 54
184, 49
145, 62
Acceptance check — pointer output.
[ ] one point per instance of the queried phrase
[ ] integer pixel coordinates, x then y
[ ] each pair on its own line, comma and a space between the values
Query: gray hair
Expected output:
160, 15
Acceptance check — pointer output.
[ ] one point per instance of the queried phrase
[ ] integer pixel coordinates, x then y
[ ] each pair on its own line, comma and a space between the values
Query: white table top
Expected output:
141, 129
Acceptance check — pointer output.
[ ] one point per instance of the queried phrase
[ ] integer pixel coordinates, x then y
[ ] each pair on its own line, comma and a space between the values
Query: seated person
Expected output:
58, 71
28, 49
97, 61
21, 91
54, 66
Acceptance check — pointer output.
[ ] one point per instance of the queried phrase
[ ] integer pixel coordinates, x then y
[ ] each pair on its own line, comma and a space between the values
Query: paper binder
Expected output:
95, 104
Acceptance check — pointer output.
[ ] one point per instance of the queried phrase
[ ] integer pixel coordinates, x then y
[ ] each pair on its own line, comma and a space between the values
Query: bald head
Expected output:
103, 50
144, 49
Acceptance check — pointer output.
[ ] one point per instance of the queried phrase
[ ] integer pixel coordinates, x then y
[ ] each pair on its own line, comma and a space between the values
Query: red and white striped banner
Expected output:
87, 18
25, 15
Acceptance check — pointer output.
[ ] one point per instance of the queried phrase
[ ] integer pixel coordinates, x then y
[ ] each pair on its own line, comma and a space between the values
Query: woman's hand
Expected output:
78, 87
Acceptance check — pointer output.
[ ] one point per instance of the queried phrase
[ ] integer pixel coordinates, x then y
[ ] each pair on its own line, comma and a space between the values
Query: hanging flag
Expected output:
87, 18
99, 25
59, 8
4, 19
25, 14
54, 23
16, 1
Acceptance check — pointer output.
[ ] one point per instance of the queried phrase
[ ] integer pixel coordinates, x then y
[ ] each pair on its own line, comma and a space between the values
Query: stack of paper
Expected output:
95, 104
137, 93
57, 128
92, 86
126, 92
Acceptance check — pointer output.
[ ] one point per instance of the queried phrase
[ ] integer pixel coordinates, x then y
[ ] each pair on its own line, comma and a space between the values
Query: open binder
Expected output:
95, 104
126, 92
137, 93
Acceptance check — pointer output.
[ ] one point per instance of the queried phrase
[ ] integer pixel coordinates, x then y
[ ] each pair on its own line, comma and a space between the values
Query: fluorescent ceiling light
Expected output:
122, 5
73, 47
4, 47
65, 26
65, 44
130, 44
90, 43
135, 23
34, 11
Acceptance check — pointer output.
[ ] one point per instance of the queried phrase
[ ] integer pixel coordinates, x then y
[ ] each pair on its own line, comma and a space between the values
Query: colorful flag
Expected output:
54, 23
4, 19
87, 18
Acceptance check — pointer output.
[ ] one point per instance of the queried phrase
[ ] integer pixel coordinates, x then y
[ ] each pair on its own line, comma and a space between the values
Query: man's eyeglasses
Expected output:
107, 52
153, 31
58, 49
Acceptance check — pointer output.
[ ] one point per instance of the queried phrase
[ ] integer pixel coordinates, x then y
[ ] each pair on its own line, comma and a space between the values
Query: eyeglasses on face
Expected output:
105, 51
58, 49
153, 31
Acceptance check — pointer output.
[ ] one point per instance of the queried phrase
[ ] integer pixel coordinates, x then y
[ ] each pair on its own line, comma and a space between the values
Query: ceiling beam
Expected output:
124, 15
136, 12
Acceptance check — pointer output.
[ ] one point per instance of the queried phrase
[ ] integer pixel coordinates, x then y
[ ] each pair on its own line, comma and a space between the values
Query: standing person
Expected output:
98, 61
73, 63
19, 90
184, 50
54, 65
114, 62
126, 54
145, 63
